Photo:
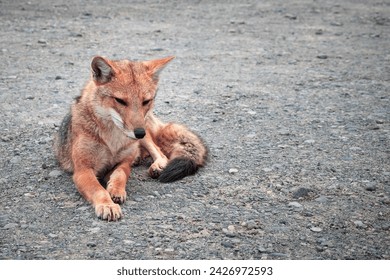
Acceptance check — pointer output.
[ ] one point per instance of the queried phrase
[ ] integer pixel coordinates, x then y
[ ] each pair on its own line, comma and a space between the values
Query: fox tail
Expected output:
185, 150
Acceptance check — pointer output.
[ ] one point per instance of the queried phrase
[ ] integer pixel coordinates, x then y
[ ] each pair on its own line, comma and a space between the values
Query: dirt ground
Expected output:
292, 98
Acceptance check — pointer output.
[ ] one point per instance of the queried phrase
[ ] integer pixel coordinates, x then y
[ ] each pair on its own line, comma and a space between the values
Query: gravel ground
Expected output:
292, 98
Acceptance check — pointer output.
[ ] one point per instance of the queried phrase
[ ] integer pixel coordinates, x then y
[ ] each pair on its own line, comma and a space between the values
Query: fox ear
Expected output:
155, 66
102, 72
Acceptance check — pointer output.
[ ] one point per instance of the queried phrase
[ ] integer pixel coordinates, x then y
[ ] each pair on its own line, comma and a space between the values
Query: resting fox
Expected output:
111, 125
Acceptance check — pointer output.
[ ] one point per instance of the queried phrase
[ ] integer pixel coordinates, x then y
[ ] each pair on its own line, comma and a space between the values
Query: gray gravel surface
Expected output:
292, 98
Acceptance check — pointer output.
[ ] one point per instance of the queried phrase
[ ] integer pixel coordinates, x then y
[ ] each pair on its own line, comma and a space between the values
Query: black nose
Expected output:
139, 133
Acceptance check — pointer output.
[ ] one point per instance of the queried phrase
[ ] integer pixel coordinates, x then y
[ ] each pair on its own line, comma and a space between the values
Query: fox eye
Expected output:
120, 101
146, 102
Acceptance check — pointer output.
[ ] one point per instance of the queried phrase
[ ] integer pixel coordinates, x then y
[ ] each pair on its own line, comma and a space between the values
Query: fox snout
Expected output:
139, 132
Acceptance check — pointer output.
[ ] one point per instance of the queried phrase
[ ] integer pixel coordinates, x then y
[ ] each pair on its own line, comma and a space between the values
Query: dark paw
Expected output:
154, 173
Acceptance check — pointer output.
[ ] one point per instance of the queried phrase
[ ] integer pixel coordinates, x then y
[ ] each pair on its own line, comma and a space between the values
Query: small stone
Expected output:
58, 78
233, 170
262, 249
231, 228
370, 186
276, 254
228, 232
316, 229
55, 173
250, 225
128, 242
52, 235
91, 244
227, 244
301, 192
335, 23
321, 199
386, 226
42, 41
310, 141
169, 251
295, 204
322, 56
290, 16
15, 160
359, 224
10, 226
94, 230
29, 195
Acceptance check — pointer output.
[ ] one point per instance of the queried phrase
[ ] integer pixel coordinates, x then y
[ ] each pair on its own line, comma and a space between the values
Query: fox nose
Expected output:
139, 133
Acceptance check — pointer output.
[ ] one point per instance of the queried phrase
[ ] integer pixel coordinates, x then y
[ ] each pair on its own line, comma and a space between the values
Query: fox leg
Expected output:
89, 187
116, 185
160, 160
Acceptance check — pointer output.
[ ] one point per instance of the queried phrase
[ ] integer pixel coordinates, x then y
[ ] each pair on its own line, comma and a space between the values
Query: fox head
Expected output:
125, 91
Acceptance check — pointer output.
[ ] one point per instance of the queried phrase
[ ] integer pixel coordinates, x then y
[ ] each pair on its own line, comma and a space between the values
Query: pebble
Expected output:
138, 198
251, 224
275, 254
262, 249
55, 173
370, 186
321, 199
15, 159
233, 170
359, 224
29, 194
386, 226
290, 16
83, 208
10, 226
301, 192
228, 233
322, 56
310, 141
316, 229
169, 251
295, 204
336, 23
94, 230
128, 242
91, 244
227, 244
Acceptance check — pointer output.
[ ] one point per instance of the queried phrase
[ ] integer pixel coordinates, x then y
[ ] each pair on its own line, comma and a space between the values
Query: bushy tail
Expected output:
185, 150
177, 169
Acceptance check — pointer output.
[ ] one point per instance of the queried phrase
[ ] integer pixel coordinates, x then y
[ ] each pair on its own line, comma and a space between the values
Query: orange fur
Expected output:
109, 126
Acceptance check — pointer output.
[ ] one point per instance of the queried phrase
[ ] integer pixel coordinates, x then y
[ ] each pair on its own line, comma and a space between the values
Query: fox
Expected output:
111, 127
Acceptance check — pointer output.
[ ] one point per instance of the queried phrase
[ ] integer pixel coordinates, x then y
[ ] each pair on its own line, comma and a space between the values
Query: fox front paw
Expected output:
109, 211
118, 194
157, 167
